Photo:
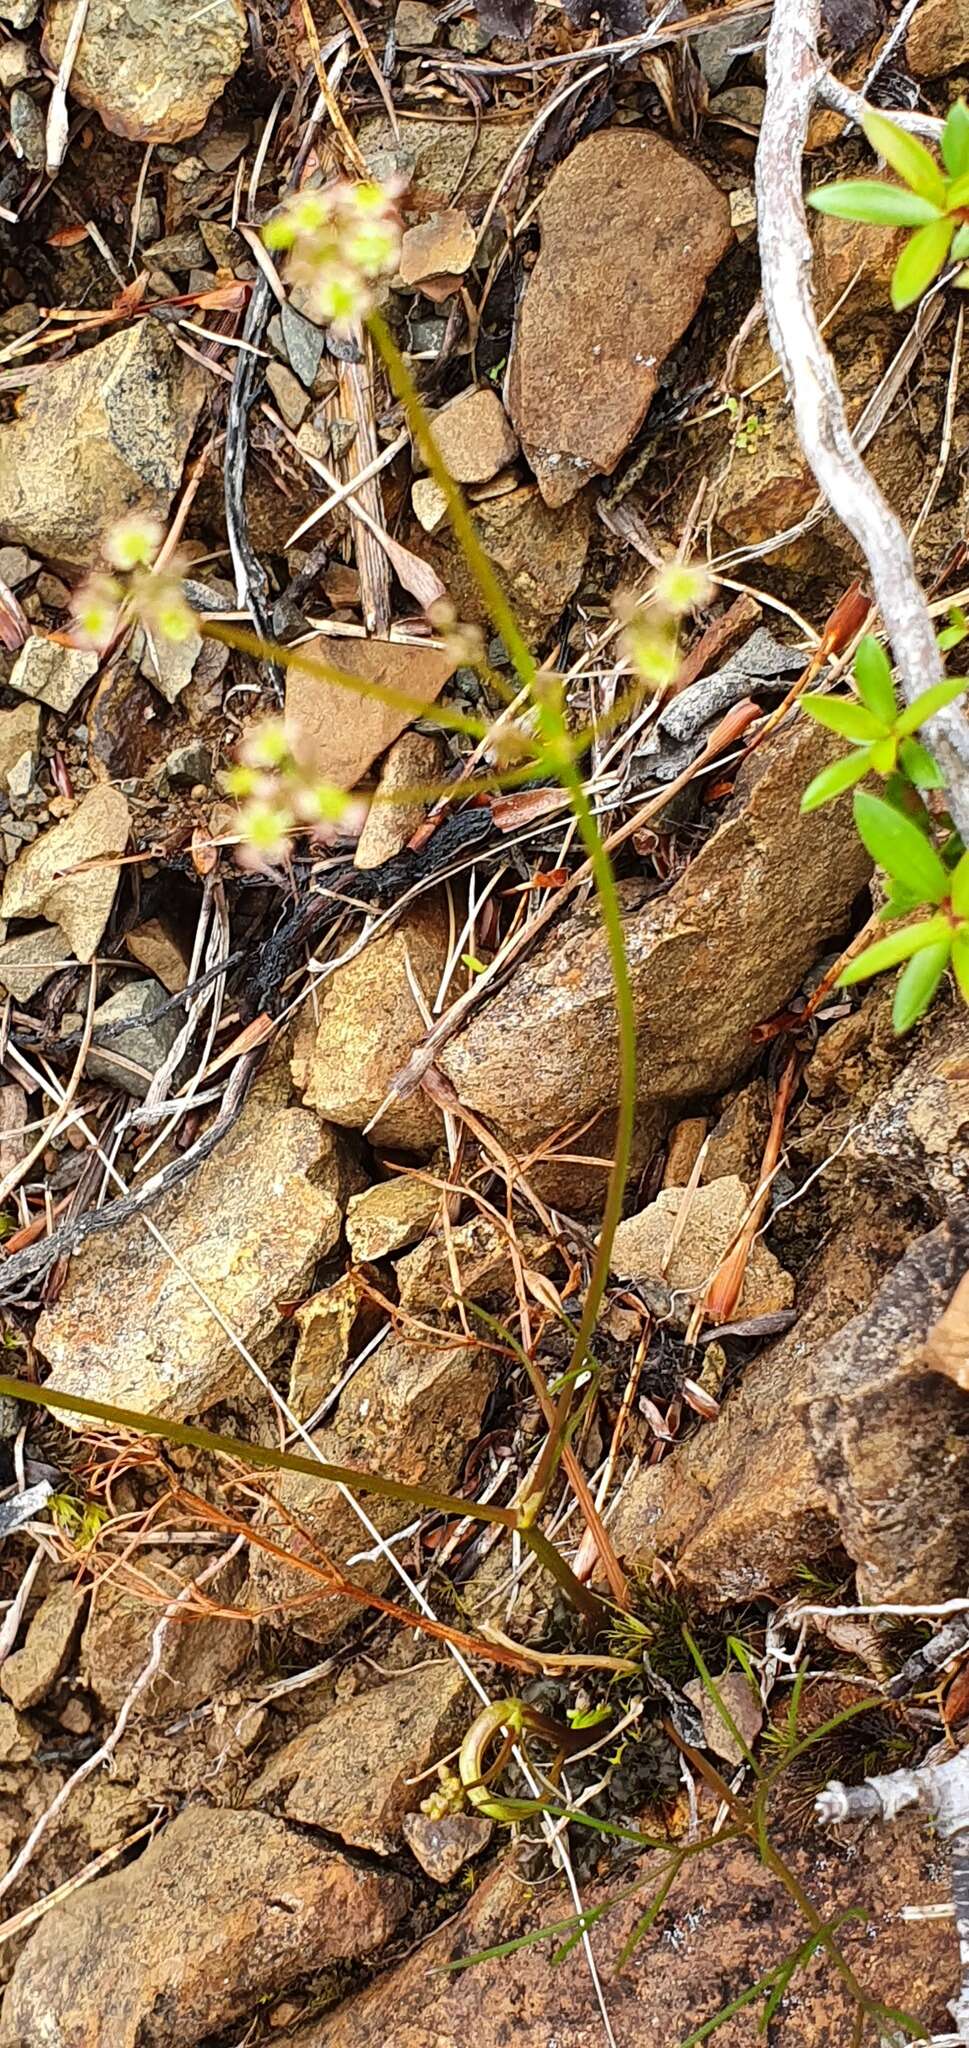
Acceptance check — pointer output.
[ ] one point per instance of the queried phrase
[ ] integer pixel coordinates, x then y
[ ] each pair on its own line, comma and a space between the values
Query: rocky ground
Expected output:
232, 1699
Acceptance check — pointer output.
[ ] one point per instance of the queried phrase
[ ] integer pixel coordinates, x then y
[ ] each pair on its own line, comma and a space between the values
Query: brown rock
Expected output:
411, 1411
413, 762
724, 948
889, 1439
725, 1923
736, 1694
101, 435
539, 555
714, 1216
369, 1025
938, 39
125, 736
739, 1507
292, 400
18, 1740
630, 233
154, 947
683, 1150
151, 75
443, 246
738, 1138
429, 502
443, 1846
390, 1215
348, 731
129, 1326
351, 1773
473, 437
474, 1259
201, 1654
27, 1676
916, 1134
220, 1914
415, 24
41, 883
325, 1324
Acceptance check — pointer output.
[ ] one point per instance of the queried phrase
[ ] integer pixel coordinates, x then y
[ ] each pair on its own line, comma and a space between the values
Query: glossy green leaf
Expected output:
955, 139
843, 716
929, 702
920, 262
900, 848
961, 280
959, 887
919, 765
888, 206
918, 983
900, 903
873, 676
906, 155
960, 960
898, 946
835, 779
960, 246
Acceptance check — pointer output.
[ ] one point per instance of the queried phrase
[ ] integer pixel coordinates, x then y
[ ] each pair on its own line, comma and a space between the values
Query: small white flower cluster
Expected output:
136, 590
342, 239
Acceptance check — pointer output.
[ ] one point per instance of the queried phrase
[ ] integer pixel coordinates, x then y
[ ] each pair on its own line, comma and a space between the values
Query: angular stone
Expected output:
429, 502
169, 664
369, 1024
725, 947
152, 74
443, 1846
29, 960
916, 1134
129, 1327
28, 1675
724, 1924
737, 1695
101, 435
473, 435
714, 1216
154, 947
288, 392
889, 1438
19, 744
738, 1137
41, 883
440, 159
353, 1772
415, 24
52, 674
346, 729
630, 233
539, 555
325, 1323
18, 1740
219, 1915
410, 1411
200, 1656
390, 1215
482, 1264
128, 1059
441, 246
938, 39
413, 762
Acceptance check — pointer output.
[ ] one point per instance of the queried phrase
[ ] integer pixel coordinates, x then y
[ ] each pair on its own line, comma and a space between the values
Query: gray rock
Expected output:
292, 400
189, 765
28, 129
19, 744
443, 1846
304, 343
98, 436
128, 1058
152, 72
19, 13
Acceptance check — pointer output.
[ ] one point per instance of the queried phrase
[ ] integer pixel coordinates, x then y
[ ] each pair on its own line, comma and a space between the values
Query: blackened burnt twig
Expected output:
794, 77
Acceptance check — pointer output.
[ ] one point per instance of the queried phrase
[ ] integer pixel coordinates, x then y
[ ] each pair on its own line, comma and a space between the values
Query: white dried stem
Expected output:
794, 79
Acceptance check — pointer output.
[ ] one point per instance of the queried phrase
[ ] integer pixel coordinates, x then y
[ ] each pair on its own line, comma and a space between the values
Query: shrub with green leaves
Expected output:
933, 200
898, 829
